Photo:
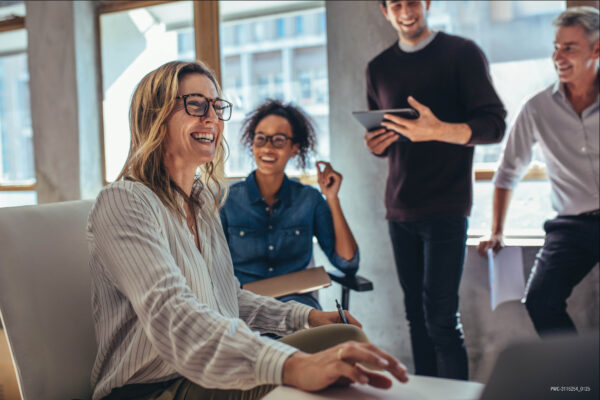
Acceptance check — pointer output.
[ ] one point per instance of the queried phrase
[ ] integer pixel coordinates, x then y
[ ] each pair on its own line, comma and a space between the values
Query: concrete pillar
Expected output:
63, 69
356, 32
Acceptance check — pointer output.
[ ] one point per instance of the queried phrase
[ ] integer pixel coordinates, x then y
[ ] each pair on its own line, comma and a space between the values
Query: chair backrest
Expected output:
45, 301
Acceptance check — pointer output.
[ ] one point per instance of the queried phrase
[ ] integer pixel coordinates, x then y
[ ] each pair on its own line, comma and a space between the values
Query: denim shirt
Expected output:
266, 243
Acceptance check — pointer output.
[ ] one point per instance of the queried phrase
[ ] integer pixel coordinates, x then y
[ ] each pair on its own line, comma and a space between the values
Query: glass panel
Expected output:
517, 38
16, 134
12, 9
529, 207
134, 43
273, 50
18, 198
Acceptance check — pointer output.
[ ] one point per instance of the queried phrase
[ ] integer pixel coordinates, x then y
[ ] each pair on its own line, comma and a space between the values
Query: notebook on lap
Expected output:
304, 281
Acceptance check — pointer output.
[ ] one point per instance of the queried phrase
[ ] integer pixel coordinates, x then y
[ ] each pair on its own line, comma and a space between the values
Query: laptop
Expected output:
563, 367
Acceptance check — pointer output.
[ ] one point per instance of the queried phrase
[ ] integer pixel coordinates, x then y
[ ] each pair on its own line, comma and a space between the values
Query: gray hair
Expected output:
586, 17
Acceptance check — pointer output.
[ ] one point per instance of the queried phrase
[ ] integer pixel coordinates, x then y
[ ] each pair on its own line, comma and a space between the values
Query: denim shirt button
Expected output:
271, 247
242, 233
270, 226
297, 232
267, 209
271, 269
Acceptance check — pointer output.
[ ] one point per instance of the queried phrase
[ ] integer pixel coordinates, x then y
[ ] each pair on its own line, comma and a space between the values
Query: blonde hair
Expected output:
152, 102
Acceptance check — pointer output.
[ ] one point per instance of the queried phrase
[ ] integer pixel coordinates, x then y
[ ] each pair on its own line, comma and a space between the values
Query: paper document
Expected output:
506, 275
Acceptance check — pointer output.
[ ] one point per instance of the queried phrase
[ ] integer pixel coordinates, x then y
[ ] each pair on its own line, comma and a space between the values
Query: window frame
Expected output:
206, 23
15, 23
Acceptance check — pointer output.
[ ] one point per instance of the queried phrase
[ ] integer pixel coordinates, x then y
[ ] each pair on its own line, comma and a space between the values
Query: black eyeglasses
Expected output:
197, 104
278, 140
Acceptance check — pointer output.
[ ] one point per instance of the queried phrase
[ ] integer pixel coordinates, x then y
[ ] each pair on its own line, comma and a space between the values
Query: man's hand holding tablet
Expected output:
426, 127
374, 119
378, 138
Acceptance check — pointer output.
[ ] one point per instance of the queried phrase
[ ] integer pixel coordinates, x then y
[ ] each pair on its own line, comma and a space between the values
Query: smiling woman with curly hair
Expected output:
270, 220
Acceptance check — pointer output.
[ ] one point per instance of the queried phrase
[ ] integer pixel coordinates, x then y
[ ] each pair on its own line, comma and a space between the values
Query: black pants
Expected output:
570, 251
429, 259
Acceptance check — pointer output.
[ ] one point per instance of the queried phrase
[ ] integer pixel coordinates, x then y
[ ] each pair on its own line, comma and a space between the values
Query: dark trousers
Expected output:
570, 251
429, 259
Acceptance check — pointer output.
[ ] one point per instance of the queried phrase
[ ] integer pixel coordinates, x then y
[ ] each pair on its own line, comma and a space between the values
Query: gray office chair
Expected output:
45, 303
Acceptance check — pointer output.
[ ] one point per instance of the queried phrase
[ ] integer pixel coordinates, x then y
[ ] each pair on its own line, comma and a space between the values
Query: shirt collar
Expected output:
559, 89
407, 48
254, 193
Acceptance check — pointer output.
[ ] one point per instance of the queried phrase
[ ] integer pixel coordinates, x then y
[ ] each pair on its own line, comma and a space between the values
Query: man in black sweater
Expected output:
429, 187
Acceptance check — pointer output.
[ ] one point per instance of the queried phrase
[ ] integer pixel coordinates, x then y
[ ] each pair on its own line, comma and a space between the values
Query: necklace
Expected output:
192, 225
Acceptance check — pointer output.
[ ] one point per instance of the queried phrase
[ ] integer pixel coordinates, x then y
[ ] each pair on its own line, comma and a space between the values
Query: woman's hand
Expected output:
340, 365
329, 179
318, 318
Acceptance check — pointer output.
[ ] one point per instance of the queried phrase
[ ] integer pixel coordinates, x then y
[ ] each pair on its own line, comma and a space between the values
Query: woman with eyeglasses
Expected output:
270, 220
171, 320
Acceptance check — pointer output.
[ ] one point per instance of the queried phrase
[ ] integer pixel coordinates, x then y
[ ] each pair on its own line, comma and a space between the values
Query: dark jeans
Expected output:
570, 251
429, 258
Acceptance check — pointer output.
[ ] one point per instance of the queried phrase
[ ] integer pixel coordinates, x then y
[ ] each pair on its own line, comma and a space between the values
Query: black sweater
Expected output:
450, 76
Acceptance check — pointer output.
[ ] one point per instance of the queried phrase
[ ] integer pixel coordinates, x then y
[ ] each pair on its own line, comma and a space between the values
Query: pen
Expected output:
341, 312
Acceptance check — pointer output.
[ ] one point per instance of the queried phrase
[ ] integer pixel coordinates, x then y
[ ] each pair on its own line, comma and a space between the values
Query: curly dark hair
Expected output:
303, 127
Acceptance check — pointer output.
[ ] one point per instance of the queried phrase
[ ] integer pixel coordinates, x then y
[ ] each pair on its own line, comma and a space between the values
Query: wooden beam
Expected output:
16, 188
536, 173
111, 6
206, 34
590, 3
13, 23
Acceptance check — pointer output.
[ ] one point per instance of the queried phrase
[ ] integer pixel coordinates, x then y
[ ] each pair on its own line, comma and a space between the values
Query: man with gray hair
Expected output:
564, 120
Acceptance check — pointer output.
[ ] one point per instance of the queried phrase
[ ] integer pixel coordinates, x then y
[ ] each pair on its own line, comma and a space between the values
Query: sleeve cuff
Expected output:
299, 315
505, 179
347, 266
269, 364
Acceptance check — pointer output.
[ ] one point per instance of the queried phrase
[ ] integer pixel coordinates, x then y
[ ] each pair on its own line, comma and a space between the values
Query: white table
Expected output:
417, 388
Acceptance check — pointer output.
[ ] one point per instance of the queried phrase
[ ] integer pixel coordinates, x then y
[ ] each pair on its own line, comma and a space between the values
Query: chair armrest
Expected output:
355, 282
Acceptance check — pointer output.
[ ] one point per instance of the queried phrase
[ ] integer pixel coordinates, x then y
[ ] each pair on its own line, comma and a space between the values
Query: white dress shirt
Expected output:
163, 309
569, 145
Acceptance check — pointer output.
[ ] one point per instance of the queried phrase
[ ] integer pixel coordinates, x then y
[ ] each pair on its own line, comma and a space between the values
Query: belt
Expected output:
593, 213
135, 391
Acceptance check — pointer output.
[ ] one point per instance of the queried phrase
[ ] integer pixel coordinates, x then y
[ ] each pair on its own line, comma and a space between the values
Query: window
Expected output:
17, 171
280, 28
133, 43
287, 61
516, 37
299, 24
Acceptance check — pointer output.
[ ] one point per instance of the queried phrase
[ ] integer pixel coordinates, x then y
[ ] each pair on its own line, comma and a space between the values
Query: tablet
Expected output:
372, 119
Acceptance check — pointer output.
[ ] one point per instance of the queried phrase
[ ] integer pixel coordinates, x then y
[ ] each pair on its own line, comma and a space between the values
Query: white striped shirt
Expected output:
162, 309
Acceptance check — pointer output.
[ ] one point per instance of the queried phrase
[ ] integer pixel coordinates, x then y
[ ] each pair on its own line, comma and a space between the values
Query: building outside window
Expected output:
16, 134
517, 38
287, 61
133, 43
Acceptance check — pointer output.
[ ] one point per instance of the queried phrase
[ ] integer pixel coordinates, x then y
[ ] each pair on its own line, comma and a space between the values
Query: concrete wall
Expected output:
357, 32
64, 99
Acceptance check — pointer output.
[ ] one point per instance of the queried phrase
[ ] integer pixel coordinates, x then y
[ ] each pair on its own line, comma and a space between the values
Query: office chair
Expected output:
45, 301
